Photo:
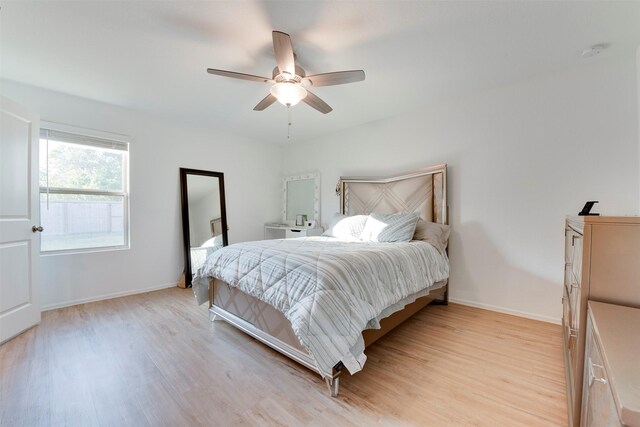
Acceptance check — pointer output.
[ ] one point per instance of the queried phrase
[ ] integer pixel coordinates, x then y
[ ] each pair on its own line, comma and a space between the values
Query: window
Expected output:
84, 200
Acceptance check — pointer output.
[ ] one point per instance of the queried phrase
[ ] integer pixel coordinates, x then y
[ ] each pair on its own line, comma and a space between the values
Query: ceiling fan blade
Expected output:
317, 103
268, 100
337, 78
284, 52
240, 76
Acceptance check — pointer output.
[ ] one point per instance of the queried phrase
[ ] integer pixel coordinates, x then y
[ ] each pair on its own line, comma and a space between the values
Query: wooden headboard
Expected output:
423, 191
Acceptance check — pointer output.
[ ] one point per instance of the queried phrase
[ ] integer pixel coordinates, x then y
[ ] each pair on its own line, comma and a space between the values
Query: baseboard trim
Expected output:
106, 297
518, 313
460, 301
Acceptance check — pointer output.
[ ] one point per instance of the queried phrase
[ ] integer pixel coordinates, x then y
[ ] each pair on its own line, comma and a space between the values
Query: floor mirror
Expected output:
204, 219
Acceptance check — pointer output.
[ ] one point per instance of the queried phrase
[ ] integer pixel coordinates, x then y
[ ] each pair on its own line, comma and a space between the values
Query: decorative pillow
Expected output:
390, 228
431, 232
346, 227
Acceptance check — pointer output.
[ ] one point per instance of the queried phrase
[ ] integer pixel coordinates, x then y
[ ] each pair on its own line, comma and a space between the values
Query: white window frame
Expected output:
92, 133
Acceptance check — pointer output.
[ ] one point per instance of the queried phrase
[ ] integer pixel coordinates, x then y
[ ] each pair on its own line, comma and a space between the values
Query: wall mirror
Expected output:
204, 220
301, 196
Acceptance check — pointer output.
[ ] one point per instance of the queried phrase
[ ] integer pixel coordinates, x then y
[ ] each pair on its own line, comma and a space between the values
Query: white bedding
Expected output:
199, 254
330, 290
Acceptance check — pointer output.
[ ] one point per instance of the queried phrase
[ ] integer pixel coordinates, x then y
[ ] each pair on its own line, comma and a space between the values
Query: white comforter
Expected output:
328, 289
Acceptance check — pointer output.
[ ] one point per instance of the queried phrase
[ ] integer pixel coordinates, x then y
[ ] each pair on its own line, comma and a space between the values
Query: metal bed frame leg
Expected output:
333, 382
212, 316
445, 298
334, 386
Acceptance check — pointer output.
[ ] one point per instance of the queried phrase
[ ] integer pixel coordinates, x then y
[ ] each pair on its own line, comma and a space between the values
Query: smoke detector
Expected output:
594, 50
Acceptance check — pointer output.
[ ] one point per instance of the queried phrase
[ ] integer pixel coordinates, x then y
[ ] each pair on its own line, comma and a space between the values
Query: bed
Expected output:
267, 303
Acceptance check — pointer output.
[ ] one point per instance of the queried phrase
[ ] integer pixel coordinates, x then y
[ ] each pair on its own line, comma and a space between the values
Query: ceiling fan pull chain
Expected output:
289, 122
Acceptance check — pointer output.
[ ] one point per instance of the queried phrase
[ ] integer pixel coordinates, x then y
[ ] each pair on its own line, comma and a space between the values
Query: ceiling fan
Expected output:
290, 82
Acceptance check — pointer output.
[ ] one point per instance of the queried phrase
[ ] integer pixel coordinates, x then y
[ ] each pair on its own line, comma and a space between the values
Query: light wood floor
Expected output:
154, 359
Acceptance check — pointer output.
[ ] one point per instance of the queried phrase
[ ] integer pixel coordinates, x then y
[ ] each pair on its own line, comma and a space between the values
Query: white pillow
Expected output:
390, 228
348, 228
212, 242
334, 220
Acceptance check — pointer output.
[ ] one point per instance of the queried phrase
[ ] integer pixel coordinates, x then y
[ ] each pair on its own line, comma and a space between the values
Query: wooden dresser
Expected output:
602, 263
611, 391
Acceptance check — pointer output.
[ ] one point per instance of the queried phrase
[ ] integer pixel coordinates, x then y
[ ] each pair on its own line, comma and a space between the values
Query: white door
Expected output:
19, 213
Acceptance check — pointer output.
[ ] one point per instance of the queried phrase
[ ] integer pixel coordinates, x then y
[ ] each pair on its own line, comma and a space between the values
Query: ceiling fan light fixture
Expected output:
288, 93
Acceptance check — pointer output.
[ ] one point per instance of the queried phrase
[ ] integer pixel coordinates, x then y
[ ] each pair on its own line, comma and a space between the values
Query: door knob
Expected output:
36, 229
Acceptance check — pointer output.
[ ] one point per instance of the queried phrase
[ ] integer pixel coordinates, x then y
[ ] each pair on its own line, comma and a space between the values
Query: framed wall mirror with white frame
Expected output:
301, 200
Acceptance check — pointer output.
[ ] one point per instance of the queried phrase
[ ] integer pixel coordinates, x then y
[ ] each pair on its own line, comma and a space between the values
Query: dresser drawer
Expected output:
573, 259
282, 231
568, 246
572, 287
293, 232
598, 405
572, 292
576, 262
570, 334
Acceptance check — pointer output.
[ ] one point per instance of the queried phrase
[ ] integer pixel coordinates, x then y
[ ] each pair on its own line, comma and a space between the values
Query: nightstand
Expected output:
284, 231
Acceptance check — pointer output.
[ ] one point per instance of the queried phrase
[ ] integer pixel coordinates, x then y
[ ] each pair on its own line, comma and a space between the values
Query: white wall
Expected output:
520, 157
158, 149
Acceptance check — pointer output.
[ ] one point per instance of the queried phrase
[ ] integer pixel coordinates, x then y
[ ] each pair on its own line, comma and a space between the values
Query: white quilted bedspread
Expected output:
330, 290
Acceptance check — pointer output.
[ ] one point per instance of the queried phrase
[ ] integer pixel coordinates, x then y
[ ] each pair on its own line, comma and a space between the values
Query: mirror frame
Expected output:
316, 196
184, 197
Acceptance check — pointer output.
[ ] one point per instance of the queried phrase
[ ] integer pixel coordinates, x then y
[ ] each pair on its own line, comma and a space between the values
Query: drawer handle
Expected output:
592, 376
295, 231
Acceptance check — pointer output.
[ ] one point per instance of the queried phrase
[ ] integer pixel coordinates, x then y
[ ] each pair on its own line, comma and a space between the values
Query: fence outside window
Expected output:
83, 192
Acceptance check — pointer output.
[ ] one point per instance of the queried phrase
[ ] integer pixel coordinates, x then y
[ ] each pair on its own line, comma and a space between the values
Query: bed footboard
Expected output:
224, 304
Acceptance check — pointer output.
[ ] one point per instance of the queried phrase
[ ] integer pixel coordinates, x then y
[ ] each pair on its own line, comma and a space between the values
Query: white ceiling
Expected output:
152, 56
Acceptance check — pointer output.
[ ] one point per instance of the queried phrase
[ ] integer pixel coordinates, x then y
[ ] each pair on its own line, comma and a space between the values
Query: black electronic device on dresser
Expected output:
586, 210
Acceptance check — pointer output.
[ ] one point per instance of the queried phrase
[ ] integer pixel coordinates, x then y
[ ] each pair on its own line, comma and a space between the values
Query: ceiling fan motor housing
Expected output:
284, 77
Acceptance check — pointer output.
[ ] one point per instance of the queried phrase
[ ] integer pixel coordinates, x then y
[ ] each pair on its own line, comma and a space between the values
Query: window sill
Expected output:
85, 251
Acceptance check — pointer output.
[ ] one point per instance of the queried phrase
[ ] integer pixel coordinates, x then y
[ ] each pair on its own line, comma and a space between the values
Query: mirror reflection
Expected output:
203, 216
300, 195
301, 198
